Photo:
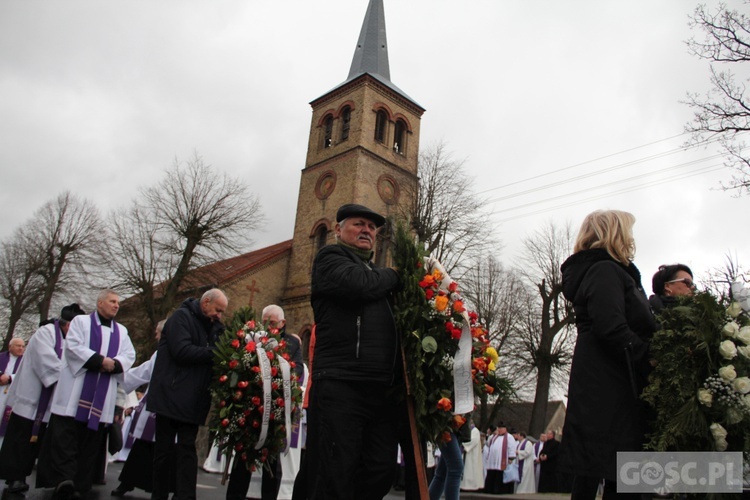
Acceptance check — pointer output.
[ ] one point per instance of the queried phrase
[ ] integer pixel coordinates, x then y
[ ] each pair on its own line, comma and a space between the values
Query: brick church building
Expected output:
363, 148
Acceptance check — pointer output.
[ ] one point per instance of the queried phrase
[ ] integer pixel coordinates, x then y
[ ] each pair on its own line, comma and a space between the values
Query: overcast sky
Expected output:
99, 97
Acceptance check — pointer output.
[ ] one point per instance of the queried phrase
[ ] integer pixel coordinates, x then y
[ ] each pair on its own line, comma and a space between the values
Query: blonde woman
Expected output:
610, 362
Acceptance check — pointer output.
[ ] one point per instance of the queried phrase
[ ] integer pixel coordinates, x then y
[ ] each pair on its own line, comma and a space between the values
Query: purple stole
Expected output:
520, 462
4, 360
95, 384
148, 430
46, 395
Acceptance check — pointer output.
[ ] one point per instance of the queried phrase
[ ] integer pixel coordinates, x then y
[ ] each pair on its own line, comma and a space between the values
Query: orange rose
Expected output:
437, 275
444, 404
441, 302
489, 388
458, 306
458, 421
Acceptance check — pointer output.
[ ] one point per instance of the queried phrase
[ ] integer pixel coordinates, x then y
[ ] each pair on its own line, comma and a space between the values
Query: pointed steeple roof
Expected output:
371, 53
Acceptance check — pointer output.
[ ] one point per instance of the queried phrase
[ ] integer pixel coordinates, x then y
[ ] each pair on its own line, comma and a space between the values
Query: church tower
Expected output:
363, 148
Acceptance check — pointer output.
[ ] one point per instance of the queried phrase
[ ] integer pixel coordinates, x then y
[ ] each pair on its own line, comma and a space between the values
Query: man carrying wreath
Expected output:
357, 373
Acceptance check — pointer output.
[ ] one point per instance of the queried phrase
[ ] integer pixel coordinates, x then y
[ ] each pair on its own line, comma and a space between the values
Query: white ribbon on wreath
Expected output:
286, 373
463, 388
265, 373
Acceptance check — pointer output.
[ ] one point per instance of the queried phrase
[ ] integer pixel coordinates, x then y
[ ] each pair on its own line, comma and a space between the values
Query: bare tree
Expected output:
497, 295
446, 215
20, 282
193, 215
546, 340
68, 231
719, 279
724, 112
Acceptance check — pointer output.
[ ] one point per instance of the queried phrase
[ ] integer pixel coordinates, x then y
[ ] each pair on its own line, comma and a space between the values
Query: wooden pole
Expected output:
419, 463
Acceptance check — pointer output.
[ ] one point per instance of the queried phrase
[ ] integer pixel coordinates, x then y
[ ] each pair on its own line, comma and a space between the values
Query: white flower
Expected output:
744, 350
744, 335
734, 309
705, 397
731, 328
727, 349
717, 431
721, 444
727, 373
741, 385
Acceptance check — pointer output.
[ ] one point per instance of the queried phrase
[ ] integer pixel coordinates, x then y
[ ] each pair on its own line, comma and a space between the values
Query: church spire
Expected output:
371, 54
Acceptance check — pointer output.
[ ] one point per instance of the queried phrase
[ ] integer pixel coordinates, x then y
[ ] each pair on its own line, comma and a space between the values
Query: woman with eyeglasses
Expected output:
610, 363
670, 282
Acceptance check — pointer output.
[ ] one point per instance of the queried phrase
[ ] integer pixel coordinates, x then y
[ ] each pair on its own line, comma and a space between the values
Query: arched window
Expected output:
399, 137
328, 138
321, 237
346, 118
381, 120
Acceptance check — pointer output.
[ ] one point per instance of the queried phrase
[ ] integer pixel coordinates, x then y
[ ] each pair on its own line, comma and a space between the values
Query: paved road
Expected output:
210, 488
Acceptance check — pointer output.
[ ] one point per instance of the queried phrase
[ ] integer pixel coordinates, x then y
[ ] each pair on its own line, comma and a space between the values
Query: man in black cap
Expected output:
357, 376
29, 396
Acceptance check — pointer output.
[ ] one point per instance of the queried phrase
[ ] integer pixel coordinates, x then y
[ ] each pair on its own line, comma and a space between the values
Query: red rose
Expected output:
246, 413
238, 395
235, 344
429, 293
280, 402
256, 400
225, 422
256, 424
222, 379
274, 371
241, 423
453, 287
240, 334
222, 403
275, 386
256, 369
270, 354
233, 363
251, 324
242, 384
250, 346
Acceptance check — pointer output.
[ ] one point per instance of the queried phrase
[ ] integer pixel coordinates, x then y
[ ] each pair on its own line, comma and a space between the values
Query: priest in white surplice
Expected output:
525, 456
96, 354
473, 478
30, 397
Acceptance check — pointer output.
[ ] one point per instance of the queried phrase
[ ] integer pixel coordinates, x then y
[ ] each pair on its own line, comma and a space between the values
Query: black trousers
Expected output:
18, 454
239, 480
175, 459
69, 451
353, 436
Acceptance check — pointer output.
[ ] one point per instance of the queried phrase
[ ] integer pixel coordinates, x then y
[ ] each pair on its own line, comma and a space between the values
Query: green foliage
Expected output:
429, 348
687, 356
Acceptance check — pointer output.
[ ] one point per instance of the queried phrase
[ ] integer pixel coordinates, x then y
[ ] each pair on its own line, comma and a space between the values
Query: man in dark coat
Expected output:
357, 375
178, 393
548, 482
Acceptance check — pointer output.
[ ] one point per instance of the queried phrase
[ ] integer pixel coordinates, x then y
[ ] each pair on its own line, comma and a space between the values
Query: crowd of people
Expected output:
65, 394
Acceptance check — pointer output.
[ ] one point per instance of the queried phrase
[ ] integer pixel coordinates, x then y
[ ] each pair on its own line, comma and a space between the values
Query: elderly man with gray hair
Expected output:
178, 393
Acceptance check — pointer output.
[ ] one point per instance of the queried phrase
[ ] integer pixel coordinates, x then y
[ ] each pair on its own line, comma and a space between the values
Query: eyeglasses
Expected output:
688, 282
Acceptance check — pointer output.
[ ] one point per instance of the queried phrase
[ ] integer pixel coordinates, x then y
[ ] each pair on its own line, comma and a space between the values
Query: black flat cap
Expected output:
70, 312
354, 210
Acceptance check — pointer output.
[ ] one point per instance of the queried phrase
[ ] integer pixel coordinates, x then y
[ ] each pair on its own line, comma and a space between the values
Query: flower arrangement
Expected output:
432, 316
255, 392
700, 386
